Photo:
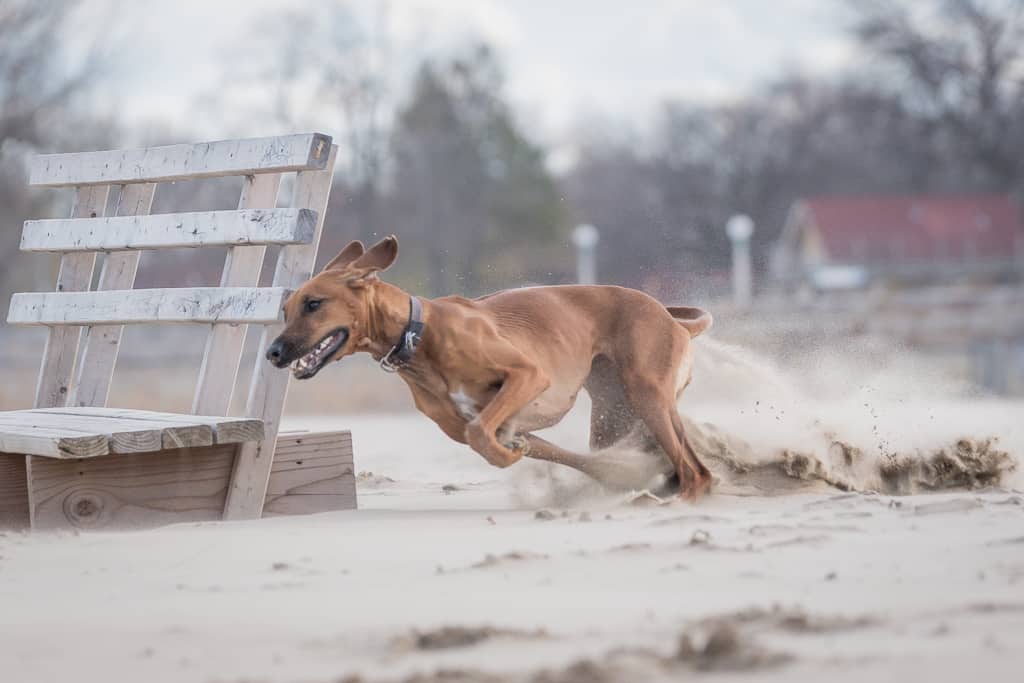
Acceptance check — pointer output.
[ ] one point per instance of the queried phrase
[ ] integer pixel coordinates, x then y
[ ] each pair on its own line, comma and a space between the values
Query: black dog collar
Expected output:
402, 352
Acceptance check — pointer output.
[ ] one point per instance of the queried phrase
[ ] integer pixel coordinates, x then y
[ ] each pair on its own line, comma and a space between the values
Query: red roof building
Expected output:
883, 234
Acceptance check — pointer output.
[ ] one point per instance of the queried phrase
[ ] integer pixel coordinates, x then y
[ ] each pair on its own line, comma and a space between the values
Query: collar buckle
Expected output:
402, 352
388, 365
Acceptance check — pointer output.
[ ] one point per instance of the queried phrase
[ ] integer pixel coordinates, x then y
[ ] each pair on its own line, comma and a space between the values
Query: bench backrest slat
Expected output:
170, 230
210, 305
181, 162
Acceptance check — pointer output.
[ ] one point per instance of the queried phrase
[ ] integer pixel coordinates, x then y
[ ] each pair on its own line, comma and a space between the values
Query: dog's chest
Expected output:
465, 405
461, 398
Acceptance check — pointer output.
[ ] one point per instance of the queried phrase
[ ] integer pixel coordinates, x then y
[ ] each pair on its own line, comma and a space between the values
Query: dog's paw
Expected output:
489, 447
518, 445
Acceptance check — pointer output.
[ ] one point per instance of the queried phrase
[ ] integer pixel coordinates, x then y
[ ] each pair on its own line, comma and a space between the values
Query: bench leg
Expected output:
14, 508
311, 472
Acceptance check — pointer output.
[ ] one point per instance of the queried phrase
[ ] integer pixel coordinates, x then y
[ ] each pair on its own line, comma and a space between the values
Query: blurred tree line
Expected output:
934, 103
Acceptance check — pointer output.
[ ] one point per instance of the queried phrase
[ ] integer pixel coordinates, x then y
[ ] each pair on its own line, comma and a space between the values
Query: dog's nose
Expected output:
275, 352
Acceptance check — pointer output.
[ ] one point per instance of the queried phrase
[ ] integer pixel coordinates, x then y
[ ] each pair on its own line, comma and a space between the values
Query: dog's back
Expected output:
546, 306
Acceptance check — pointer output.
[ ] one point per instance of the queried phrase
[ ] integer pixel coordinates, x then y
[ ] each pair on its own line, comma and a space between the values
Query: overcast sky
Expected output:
565, 59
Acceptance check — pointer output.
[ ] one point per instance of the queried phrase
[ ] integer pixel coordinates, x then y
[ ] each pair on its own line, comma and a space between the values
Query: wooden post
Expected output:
100, 343
224, 343
75, 275
269, 386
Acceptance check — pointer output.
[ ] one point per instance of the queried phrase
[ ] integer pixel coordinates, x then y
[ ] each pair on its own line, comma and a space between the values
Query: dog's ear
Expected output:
378, 257
346, 256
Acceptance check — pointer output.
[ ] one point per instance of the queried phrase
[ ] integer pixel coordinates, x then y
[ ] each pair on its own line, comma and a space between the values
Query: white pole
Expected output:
739, 229
585, 238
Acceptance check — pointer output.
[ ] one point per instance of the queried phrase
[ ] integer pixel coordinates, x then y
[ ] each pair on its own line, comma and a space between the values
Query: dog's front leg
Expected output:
522, 384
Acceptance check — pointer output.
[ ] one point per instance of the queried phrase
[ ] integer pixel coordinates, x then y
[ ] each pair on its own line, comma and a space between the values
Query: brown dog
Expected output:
490, 371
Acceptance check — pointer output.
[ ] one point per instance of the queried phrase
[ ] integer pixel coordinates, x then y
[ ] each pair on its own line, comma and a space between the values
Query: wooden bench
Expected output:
73, 462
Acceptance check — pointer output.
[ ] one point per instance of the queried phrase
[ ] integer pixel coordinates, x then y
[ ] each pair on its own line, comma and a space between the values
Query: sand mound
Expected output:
722, 643
765, 431
448, 637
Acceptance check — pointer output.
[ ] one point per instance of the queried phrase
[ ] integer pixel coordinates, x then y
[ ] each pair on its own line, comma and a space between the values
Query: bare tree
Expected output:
959, 65
469, 186
37, 109
323, 66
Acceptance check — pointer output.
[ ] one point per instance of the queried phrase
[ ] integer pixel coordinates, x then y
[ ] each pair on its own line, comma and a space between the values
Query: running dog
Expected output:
492, 370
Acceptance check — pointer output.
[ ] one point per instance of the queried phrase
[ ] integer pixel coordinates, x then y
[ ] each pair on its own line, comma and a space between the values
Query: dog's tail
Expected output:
694, 320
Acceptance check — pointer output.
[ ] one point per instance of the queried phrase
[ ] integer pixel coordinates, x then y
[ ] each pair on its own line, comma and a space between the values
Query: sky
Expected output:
566, 60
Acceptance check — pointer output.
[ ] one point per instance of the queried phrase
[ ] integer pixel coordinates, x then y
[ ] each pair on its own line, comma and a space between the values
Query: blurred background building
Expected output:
877, 146
836, 242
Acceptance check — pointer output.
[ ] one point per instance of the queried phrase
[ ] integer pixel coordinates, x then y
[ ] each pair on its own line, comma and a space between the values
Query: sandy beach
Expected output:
847, 538
450, 572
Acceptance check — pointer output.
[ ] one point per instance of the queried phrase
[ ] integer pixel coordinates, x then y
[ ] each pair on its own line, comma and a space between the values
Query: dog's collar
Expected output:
402, 352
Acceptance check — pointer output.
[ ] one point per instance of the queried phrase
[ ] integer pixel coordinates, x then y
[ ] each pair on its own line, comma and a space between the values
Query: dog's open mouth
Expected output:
311, 363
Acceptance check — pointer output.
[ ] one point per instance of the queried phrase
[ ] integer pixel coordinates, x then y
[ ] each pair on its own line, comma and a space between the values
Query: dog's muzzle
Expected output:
281, 354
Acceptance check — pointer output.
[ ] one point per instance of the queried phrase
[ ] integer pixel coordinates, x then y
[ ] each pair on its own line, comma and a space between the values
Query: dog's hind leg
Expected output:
541, 449
703, 480
619, 472
612, 417
662, 419
652, 392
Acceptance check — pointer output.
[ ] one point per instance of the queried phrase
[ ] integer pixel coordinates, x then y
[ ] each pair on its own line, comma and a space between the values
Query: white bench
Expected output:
73, 462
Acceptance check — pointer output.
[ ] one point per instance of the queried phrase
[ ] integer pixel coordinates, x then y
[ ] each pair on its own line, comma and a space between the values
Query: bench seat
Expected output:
111, 468
66, 433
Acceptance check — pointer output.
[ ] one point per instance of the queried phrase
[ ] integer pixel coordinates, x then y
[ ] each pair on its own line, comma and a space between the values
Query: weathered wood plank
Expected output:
171, 230
51, 442
242, 267
13, 492
269, 387
222, 430
100, 344
311, 472
75, 274
308, 151
198, 305
124, 436
131, 491
171, 434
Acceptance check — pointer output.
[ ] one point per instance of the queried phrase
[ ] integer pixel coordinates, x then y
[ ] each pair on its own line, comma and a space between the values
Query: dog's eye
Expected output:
312, 305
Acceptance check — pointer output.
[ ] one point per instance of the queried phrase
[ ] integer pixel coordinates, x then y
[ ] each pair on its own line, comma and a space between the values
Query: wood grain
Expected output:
52, 442
242, 267
170, 230
75, 274
13, 492
231, 305
123, 436
69, 432
221, 429
269, 386
131, 491
306, 151
312, 472
100, 344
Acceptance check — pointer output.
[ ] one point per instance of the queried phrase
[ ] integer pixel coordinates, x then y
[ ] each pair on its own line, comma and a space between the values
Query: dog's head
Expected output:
325, 314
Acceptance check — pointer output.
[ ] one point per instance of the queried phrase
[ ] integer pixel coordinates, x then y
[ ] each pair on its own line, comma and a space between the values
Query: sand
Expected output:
843, 541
